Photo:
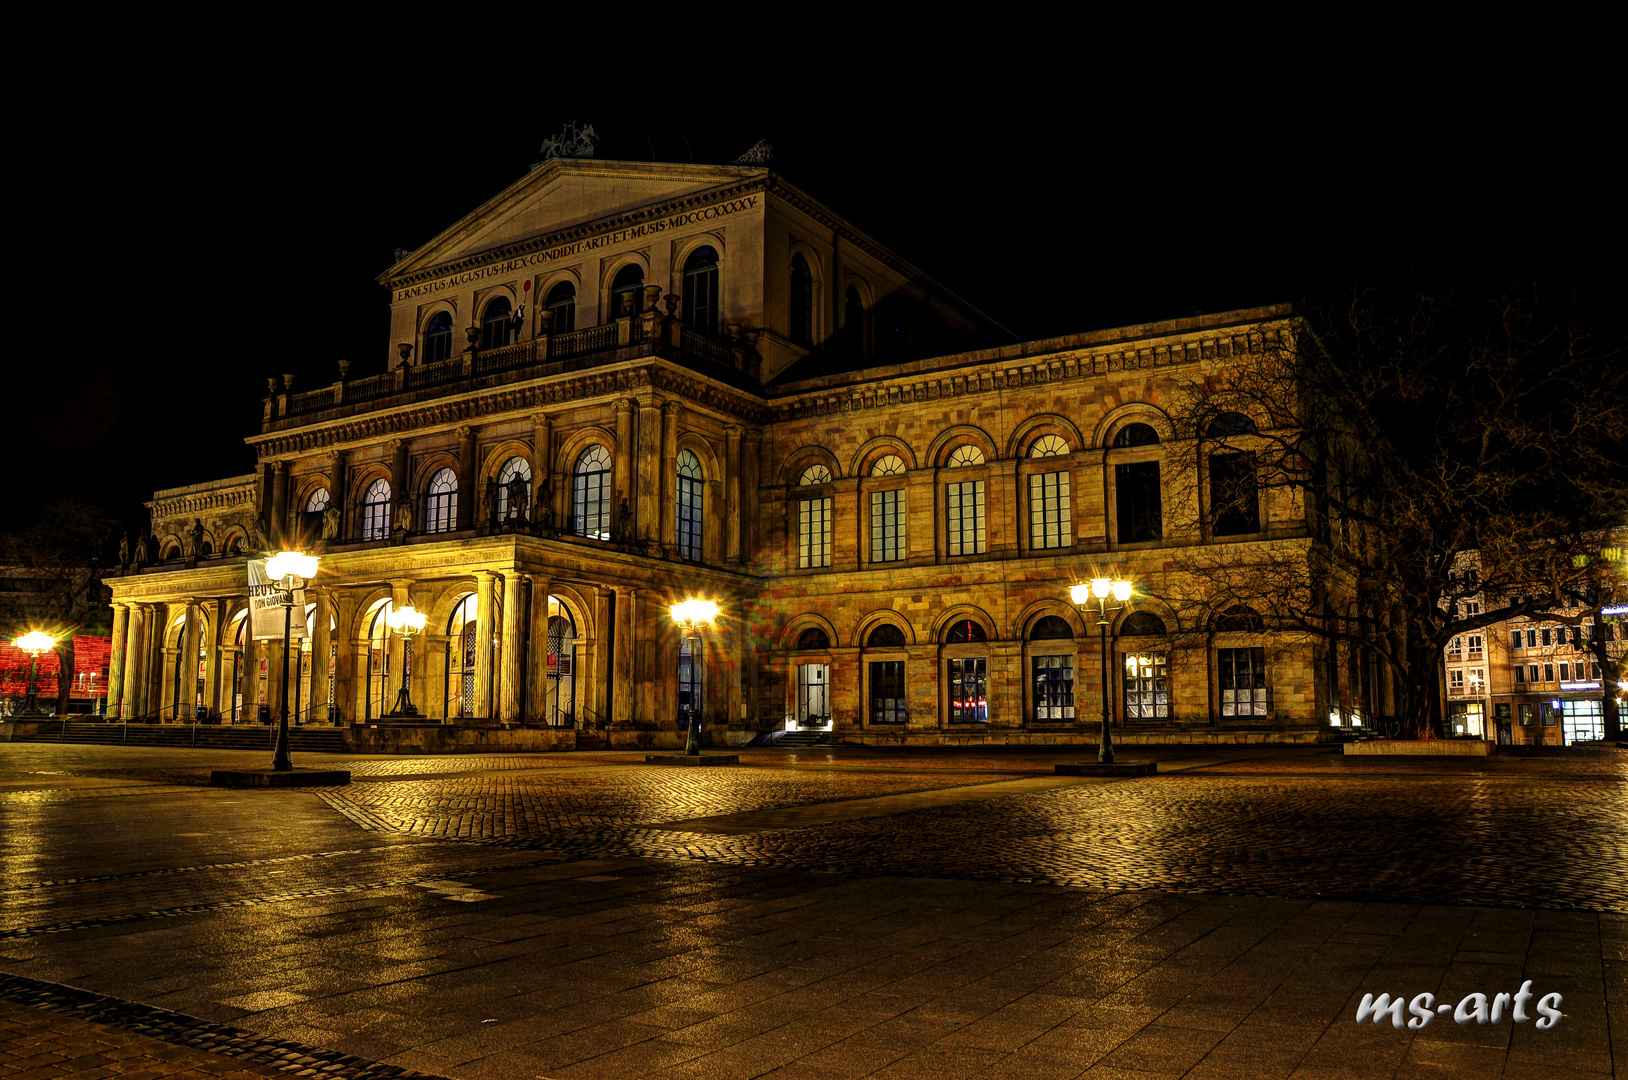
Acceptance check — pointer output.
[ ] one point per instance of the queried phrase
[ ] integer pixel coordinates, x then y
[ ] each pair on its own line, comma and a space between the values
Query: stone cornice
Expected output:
543, 241
223, 498
519, 398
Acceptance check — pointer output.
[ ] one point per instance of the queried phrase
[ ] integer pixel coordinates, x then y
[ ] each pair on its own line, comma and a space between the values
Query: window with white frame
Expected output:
441, 502
1244, 690
1147, 686
1478, 680
514, 489
376, 511
814, 521
690, 481
1455, 680
887, 525
1050, 519
591, 494
1049, 446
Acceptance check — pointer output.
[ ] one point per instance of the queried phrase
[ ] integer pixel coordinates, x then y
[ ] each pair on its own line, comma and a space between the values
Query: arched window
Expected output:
437, 338
1052, 673
701, 290
315, 505
627, 291
1230, 423
964, 632
591, 494
1048, 446
560, 702
853, 323
1238, 617
964, 505
689, 506
460, 660
376, 511
813, 638
888, 513
378, 661
1136, 435
1051, 628
441, 502
495, 323
802, 303
886, 635
514, 489
318, 501
562, 301
1141, 622
814, 521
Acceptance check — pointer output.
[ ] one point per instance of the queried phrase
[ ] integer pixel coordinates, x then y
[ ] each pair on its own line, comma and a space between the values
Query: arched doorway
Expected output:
378, 660
560, 706
459, 697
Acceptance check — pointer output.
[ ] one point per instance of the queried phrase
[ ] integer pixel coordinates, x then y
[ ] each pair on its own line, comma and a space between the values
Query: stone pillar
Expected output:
668, 485
249, 674
468, 497
212, 655
622, 466
542, 467
131, 700
344, 610
538, 705
339, 478
400, 482
485, 582
595, 695
647, 484
278, 525
272, 651
317, 695
751, 457
190, 644
621, 710
732, 494
115, 661
511, 685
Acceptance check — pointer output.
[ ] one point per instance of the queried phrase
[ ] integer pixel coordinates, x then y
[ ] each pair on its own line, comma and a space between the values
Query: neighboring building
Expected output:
618, 384
87, 691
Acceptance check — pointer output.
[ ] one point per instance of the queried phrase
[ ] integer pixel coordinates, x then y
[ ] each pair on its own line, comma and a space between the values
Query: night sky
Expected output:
221, 233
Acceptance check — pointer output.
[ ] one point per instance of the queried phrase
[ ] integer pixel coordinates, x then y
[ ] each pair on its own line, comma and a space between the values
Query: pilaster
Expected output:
732, 494
513, 652
116, 660
668, 479
539, 707
485, 601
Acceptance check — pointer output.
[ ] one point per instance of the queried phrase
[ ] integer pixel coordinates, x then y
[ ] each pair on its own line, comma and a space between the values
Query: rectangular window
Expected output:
1455, 680
1136, 490
1476, 644
1147, 686
1548, 718
964, 507
1531, 673
969, 691
1515, 640
441, 512
1520, 675
1456, 645
813, 695
1548, 673
689, 518
1478, 676
813, 533
376, 521
887, 525
887, 692
1593, 670
1050, 521
1545, 632
1053, 689
1531, 639
1243, 682
1526, 714
1565, 671
1234, 502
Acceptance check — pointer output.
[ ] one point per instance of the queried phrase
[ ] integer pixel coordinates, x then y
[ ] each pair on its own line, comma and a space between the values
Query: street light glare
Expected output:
1080, 594
406, 619
1122, 591
291, 564
1100, 587
36, 641
694, 611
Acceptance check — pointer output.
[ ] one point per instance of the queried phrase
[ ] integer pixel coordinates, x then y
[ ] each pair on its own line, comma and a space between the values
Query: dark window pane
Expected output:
1234, 502
1137, 492
887, 692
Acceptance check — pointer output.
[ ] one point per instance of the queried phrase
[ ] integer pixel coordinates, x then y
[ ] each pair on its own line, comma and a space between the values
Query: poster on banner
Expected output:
266, 606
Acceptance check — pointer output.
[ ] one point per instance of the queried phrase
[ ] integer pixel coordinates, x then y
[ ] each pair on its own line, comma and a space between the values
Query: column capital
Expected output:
484, 576
397, 444
751, 434
624, 405
465, 431
283, 465
670, 406
734, 429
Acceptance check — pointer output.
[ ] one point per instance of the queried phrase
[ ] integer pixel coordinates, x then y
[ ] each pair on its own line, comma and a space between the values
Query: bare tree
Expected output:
1408, 424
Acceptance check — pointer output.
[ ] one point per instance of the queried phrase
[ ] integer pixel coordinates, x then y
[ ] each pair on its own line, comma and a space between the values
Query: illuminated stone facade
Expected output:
746, 399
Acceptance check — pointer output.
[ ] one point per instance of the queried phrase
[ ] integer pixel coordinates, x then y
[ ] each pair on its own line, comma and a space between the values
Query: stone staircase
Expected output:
803, 738
199, 736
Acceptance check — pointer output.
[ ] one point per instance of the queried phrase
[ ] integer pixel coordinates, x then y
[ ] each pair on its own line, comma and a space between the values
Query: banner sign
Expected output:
266, 606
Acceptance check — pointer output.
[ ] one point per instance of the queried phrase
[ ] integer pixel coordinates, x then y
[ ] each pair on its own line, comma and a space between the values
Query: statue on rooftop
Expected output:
124, 553
195, 537
573, 141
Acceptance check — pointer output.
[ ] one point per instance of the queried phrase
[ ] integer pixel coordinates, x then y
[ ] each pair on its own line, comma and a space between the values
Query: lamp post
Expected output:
34, 643
1082, 595
692, 616
408, 622
292, 570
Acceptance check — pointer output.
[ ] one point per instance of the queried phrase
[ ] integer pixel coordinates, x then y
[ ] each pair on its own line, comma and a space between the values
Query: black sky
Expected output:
225, 225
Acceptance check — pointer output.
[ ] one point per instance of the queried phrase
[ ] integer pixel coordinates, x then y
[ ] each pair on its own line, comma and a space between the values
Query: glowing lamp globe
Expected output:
1080, 594
694, 612
35, 642
1122, 591
1100, 587
406, 619
287, 564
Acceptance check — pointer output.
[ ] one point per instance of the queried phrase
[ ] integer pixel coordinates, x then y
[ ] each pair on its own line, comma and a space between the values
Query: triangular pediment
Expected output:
560, 195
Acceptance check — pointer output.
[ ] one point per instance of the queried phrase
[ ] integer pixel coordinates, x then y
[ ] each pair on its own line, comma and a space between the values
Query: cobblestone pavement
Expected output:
39, 1044
831, 914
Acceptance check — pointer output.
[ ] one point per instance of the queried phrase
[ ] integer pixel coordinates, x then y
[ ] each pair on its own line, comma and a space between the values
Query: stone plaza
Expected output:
811, 914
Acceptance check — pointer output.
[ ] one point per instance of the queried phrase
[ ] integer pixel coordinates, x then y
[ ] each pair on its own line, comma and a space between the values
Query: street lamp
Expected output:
1083, 595
406, 621
692, 616
292, 570
34, 643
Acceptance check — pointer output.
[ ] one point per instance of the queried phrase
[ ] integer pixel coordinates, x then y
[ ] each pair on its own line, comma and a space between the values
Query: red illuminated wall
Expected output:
90, 659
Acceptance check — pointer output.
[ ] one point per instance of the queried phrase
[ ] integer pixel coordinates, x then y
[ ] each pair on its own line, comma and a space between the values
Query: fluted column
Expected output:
622, 466
468, 497
732, 494
115, 660
647, 463
485, 583
212, 655
188, 667
249, 674
538, 706
668, 485
130, 702
622, 670
511, 685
